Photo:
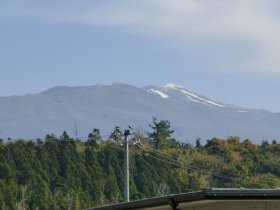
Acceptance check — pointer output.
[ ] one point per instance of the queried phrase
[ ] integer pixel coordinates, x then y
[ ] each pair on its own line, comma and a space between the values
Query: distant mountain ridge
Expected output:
191, 115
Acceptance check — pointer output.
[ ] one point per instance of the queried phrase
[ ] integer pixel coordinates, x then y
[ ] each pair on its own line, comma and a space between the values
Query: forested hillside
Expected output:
66, 173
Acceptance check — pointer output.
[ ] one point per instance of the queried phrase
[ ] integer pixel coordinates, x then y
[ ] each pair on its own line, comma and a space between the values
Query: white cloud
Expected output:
252, 21
249, 21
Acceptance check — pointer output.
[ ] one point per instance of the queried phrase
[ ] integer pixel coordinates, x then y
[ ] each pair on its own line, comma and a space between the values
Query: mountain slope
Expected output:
191, 115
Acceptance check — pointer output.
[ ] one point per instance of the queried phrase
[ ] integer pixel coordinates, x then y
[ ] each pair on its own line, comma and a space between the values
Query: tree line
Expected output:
71, 173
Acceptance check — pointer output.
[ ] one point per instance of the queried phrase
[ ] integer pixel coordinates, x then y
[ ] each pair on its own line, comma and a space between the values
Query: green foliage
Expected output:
94, 137
116, 135
161, 135
70, 174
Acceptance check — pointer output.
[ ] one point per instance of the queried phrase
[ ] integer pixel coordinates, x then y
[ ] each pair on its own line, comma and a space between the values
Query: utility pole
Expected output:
126, 166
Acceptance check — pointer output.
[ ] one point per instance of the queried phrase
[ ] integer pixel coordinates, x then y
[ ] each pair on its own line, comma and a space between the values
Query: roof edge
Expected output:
206, 194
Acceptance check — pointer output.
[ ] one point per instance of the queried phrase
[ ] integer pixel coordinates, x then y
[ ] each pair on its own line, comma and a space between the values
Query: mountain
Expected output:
191, 115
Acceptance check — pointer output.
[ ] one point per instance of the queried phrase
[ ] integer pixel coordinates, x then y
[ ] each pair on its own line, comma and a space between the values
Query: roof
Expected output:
204, 196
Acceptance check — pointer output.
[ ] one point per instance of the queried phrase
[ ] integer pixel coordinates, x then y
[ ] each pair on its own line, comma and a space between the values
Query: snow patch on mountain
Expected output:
173, 86
162, 94
191, 96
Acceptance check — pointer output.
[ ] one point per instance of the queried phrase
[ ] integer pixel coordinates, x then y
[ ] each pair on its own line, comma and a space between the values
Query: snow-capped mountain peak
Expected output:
173, 86
178, 90
191, 114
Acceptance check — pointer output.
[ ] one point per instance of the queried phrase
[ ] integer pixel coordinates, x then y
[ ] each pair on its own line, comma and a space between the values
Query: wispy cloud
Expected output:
254, 23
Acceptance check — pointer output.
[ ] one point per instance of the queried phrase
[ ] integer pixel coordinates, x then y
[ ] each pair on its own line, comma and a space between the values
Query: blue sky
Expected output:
223, 49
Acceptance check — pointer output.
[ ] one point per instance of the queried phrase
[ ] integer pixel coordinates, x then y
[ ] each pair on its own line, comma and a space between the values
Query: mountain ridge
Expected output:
105, 106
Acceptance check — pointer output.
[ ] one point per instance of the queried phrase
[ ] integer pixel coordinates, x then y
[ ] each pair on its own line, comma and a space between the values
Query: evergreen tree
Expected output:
117, 134
64, 136
56, 174
94, 137
161, 133
197, 143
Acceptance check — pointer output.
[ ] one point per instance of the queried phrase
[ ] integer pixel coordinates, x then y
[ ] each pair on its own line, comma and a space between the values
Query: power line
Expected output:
190, 165
171, 160
57, 138
179, 164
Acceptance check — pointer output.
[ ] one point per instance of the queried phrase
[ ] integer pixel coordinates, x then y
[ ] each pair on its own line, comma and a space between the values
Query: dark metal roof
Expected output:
241, 193
214, 193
